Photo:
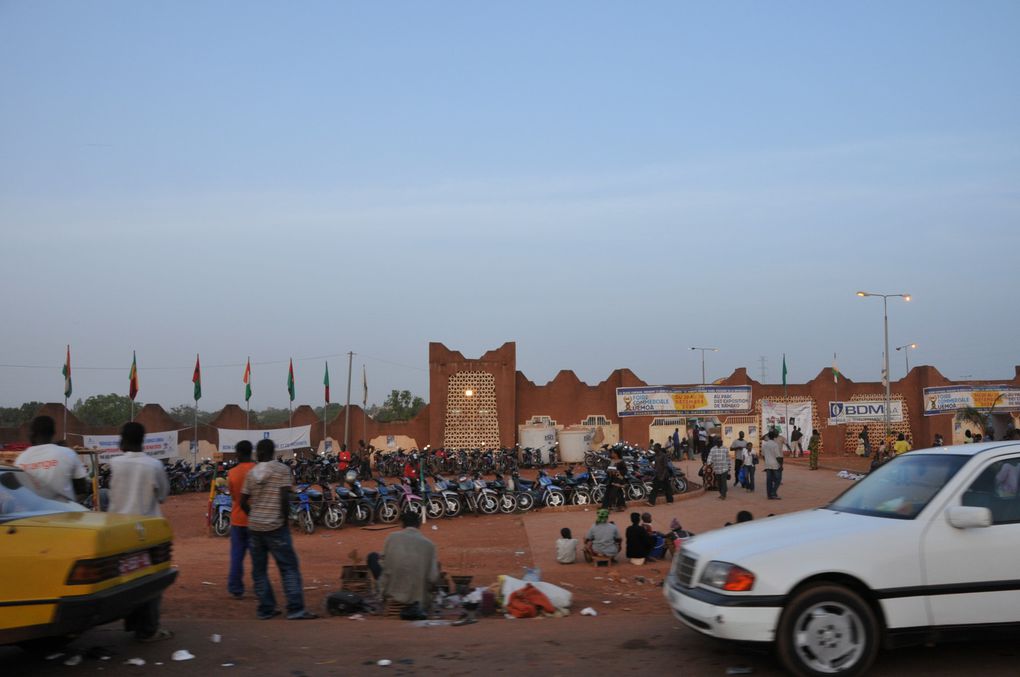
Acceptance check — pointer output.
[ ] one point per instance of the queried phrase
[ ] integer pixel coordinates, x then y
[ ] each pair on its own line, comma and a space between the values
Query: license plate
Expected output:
134, 562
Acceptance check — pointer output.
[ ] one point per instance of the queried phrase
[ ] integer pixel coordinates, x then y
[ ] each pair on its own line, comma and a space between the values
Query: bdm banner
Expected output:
786, 415
285, 438
864, 411
157, 445
683, 400
949, 399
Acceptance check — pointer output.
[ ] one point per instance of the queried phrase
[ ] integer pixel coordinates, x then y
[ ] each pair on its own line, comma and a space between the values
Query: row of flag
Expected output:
196, 379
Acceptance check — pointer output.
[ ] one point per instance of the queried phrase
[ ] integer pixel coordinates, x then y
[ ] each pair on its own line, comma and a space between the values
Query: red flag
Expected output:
197, 379
133, 388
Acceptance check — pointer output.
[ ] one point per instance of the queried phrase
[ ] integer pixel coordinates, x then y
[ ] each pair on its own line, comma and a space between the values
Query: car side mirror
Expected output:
969, 517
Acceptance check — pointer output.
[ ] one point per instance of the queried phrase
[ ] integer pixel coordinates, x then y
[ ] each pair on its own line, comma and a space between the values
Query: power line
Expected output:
230, 365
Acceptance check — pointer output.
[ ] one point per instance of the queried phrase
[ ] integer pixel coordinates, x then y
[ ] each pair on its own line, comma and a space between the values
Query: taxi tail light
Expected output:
738, 580
89, 571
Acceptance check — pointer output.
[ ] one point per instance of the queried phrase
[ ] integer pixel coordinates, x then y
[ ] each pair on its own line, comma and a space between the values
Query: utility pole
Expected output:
347, 409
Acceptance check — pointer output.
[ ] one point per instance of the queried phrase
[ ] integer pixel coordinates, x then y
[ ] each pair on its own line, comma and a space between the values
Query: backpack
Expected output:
343, 603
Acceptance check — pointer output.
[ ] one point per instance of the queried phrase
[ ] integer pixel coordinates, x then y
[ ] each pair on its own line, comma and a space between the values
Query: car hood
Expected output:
111, 529
741, 542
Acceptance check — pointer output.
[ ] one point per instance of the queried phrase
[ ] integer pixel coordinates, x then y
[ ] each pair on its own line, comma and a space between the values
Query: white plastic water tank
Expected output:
573, 444
540, 437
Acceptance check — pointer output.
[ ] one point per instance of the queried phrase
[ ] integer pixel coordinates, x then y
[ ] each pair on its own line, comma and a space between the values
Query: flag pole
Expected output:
194, 454
247, 400
347, 409
364, 405
67, 381
835, 382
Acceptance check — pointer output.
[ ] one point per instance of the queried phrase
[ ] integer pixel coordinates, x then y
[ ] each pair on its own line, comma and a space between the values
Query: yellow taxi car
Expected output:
64, 569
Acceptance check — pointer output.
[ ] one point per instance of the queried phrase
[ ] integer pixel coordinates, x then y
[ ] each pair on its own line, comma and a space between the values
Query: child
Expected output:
566, 547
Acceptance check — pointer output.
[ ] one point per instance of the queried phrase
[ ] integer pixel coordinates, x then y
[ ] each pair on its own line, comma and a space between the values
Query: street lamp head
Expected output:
906, 297
862, 294
913, 345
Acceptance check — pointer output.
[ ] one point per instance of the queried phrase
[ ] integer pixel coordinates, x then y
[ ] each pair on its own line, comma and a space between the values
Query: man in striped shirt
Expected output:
265, 498
719, 459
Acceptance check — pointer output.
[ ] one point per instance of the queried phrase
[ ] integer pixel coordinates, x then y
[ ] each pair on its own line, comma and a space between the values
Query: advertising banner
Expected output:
786, 415
864, 411
157, 445
286, 439
683, 401
950, 399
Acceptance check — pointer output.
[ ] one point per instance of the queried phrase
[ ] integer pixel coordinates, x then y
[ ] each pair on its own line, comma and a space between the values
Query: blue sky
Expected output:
607, 184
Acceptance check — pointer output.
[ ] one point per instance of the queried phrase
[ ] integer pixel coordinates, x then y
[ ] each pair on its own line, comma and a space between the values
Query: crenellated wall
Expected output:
566, 399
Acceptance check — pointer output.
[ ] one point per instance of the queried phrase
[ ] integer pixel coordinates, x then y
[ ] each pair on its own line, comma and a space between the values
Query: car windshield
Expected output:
17, 500
901, 488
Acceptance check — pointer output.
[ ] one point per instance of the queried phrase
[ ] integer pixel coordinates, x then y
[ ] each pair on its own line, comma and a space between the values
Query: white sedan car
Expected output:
924, 549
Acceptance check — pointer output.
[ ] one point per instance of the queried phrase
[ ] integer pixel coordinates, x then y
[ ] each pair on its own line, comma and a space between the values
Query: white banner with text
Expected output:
157, 445
286, 439
950, 399
785, 416
864, 411
683, 400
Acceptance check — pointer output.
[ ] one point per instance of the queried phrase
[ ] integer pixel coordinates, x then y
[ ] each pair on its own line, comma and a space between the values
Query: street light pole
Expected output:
888, 381
714, 350
906, 354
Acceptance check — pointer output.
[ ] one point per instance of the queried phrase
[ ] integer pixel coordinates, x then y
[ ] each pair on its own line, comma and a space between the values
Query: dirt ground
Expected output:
481, 546
632, 634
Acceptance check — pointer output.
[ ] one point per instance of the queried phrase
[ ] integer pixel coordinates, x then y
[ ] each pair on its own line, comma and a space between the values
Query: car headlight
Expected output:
727, 576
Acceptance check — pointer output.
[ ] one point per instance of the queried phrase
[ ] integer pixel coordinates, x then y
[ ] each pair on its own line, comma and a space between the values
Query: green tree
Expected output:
12, 417
112, 409
332, 411
271, 416
185, 413
400, 405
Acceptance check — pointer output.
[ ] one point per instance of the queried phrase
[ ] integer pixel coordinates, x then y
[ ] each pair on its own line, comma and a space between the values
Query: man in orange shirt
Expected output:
238, 519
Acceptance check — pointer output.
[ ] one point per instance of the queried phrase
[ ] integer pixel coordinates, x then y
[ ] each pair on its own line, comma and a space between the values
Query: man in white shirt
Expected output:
771, 453
55, 471
737, 447
138, 484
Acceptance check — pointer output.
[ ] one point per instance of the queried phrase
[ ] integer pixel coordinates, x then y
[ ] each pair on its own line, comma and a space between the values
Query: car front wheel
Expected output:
827, 630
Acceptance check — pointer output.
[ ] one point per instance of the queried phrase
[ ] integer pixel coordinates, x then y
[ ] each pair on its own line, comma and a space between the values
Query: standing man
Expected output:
409, 565
750, 461
239, 542
737, 447
138, 484
676, 443
265, 498
343, 460
663, 475
719, 459
798, 448
55, 471
770, 455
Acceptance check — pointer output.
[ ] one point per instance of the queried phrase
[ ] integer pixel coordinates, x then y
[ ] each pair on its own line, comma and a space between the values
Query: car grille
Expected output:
685, 572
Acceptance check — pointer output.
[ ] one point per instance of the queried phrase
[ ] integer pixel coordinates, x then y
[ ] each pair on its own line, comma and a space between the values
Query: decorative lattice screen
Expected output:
471, 417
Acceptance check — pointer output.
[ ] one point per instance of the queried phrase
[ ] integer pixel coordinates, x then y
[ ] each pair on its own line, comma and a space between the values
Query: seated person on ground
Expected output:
603, 539
639, 541
566, 547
